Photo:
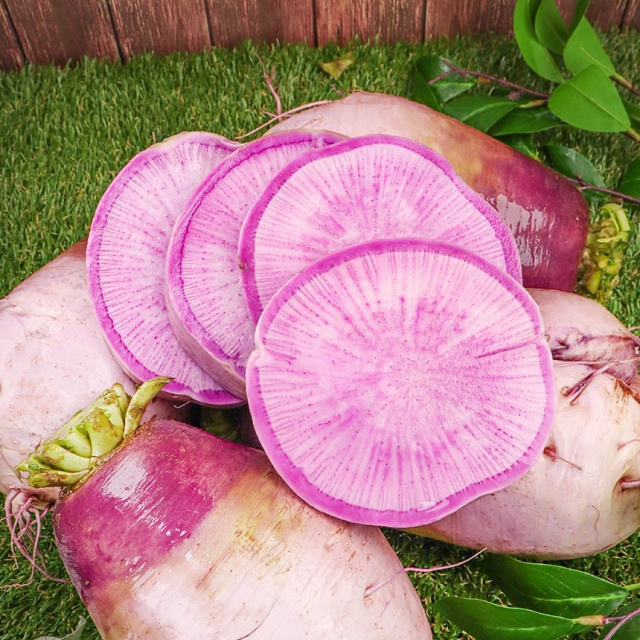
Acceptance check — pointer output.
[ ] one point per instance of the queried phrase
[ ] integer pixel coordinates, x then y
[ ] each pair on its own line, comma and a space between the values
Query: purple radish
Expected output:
396, 380
126, 255
179, 534
364, 188
203, 288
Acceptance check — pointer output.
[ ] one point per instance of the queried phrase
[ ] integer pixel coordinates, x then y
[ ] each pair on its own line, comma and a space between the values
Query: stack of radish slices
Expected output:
364, 302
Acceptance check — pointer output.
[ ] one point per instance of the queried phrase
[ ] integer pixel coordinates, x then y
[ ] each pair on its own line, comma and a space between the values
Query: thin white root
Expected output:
373, 588
24, 510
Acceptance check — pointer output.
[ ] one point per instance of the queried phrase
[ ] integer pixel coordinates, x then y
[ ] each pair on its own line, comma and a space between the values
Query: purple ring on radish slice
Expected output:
203, 288
369, 187
394, 381
126, 254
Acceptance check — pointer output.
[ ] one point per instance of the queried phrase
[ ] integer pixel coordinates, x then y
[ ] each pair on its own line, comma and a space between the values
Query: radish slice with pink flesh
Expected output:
126, 253
370, 187
396, 380
203, 288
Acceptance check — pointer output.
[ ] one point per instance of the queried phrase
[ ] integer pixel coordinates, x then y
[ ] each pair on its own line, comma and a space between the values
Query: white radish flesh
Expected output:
394, 381
126, 255
203, 288
362, 189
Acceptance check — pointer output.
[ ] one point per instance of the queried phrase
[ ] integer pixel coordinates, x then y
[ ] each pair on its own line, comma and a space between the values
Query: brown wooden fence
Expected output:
45, 31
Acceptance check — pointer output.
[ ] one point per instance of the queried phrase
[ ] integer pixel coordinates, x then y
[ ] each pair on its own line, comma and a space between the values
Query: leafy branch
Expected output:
585, 95
548, 602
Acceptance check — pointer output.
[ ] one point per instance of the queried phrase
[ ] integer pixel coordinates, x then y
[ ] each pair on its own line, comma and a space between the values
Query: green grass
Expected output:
65, 133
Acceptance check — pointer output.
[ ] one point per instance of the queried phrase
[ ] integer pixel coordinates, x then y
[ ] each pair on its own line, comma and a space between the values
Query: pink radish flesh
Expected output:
180, 534
365, 188
204, 293
394, 381
126, 255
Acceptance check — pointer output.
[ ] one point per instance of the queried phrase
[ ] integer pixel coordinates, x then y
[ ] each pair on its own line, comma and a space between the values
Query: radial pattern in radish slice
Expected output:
396, 380
126, 254
370, 187
203, 288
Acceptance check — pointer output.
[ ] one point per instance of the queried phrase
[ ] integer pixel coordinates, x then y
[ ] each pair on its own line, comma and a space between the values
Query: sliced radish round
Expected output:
396, 380
370, 187
204, 292
126, 254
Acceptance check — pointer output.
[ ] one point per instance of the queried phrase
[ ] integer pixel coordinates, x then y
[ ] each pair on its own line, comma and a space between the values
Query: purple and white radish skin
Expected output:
53, 359
581, 496
212, 543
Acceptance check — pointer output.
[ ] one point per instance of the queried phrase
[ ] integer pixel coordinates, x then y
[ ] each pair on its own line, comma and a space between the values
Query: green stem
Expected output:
625, 83
73, 452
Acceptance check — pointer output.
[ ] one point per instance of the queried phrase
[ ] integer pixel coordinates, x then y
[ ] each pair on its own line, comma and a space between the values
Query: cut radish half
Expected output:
203, 288
126, 253
370, 187
394, 381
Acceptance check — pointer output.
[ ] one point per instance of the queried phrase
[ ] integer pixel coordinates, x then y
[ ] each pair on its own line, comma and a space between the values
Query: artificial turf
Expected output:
65, 133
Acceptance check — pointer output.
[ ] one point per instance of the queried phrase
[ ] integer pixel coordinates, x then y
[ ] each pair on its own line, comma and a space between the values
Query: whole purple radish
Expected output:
53, 359
365, 188
547, 215
203, 286
582, 495
396, 380
126, 253
179, 534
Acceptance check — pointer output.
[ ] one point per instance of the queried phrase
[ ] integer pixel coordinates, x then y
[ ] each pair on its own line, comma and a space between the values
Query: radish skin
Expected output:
547, 215
580, 329
53, 359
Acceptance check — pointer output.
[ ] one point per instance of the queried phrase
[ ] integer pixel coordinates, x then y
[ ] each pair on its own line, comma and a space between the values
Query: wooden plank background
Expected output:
58, 31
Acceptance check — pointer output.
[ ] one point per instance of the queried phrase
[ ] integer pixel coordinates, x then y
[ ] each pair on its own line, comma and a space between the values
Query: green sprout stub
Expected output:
79, 446
604, 253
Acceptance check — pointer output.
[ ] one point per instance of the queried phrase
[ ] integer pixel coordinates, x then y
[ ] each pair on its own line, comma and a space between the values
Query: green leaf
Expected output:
335, 67
520, 142
535, 54
487, 621
525, 121
584, 48
630, 183
432, 66
630, 630
481, 112
550, 28
552, 589
633, 111
578, 14
590, 101
421, 90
